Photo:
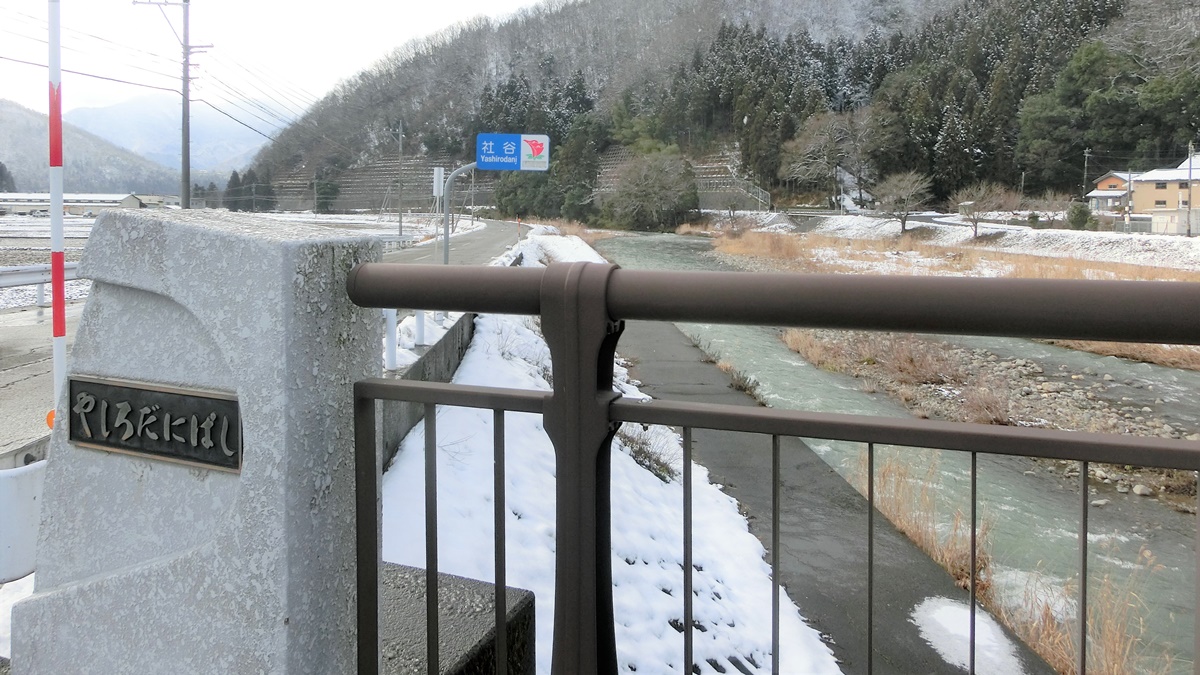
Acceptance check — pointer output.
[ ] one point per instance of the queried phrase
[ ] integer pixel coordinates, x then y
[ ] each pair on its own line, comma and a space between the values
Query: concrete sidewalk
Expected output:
823, 527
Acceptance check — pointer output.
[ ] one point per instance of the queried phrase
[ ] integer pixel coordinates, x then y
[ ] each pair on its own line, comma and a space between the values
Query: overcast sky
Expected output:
291, 52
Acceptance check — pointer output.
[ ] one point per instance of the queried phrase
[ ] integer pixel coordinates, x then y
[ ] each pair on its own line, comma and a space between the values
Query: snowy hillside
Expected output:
90, 164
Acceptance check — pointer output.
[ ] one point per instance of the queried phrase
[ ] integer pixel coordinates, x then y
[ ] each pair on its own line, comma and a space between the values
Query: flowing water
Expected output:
1033, 512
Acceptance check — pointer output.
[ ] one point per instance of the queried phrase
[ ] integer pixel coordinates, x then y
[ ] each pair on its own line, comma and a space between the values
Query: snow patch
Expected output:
945, 625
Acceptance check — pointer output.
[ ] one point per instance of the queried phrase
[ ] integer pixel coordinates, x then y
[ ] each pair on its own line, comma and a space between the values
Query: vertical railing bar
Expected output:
1083, 567
688, 654
775, 478
500, 544
870, 558
431, 541
366, 535
974, 551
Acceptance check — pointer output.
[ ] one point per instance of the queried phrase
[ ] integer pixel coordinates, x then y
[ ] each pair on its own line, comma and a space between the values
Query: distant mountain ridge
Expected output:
149, 126
90, 163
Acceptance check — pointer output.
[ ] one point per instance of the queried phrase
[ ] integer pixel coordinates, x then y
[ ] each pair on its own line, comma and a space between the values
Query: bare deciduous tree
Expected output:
812, 157
975, 201
1053, 206
902, 193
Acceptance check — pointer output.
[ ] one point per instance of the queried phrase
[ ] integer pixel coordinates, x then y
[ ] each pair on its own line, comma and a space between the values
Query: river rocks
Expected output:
1142, 490
1101, 502
1123, 488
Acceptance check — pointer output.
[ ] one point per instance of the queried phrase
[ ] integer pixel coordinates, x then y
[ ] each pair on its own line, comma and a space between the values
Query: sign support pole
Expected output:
57, 268
446, 208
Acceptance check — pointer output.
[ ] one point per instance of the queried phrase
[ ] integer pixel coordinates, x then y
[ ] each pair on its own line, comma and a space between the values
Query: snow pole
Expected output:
57, 281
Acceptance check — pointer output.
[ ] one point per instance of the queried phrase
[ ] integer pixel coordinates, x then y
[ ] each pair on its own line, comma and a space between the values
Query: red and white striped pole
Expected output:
57, 277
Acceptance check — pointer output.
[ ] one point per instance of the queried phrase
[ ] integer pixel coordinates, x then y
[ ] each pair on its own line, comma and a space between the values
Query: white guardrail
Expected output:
20, 514
30, 275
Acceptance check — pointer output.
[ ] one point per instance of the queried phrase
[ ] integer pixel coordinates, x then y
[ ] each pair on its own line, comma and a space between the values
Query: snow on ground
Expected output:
945, 625
419, 225
423, 226
1141, 249
31, 227
732, 581
26, 296
10, 593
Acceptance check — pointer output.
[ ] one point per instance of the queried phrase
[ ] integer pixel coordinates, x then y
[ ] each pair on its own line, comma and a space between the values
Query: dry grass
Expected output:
1173, 356
652, 452
908, 500
910, 503
695, 229
821, 254
1115, 633
577, 229
813, 249
740, 381
903, 359
1115, 630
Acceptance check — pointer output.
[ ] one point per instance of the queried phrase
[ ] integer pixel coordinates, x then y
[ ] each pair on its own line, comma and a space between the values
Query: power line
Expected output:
209, 104
107, 44
91, 75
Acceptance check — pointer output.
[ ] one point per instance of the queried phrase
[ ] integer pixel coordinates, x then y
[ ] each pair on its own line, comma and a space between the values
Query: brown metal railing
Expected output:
582, 307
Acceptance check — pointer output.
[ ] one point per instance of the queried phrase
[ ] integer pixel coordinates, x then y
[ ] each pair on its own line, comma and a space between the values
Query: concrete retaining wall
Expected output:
436, 365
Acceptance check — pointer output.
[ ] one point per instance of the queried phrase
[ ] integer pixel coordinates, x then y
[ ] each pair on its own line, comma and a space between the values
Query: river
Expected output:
1032, 511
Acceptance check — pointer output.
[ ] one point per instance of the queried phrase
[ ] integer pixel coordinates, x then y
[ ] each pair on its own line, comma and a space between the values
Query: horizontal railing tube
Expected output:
1127, 311
913, 432
1122, 311
451, 288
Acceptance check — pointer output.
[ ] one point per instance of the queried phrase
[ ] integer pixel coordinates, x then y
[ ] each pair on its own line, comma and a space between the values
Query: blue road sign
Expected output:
512, 152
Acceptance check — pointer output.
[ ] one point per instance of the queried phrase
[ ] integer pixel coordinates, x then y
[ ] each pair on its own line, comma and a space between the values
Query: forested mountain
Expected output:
436, 85
963, 91
90, 164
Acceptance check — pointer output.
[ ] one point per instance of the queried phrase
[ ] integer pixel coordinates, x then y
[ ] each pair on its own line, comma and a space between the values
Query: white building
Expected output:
24, 203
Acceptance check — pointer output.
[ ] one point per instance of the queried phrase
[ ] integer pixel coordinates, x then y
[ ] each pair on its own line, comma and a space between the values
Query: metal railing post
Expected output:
582, 340
389, 339
367, 538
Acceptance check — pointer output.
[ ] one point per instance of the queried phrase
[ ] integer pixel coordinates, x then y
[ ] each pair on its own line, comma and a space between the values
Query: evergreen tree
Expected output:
7, 183
248, 191
952, 155
266, 193
326, 192
232, 199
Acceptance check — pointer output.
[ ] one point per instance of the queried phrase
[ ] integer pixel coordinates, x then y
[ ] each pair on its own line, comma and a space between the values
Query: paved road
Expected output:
26, 386
475, 248
26, 363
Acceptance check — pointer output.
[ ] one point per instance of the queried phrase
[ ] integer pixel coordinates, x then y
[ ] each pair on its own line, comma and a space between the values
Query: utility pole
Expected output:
1087, 154
185, 154
400, 177
1191, 160
1128, 199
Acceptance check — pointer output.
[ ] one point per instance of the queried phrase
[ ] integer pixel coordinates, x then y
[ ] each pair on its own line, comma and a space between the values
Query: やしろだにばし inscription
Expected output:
194, 427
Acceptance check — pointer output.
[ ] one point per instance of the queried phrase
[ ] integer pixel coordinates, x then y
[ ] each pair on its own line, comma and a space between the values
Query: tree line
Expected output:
1009, 93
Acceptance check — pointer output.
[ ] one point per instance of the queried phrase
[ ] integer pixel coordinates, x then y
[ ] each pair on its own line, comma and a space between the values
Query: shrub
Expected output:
1078, 216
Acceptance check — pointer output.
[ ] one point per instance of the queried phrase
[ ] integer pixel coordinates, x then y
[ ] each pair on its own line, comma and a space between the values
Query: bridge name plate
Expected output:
194, 427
